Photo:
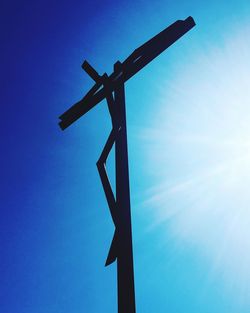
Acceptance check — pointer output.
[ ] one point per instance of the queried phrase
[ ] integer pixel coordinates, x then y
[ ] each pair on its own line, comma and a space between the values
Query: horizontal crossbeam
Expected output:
133, 64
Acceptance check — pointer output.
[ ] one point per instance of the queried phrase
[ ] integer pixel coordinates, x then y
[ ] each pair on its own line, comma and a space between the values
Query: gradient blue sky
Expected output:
188, 129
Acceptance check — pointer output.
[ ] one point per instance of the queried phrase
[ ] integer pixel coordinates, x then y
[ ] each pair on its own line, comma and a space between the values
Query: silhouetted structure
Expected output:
112, 88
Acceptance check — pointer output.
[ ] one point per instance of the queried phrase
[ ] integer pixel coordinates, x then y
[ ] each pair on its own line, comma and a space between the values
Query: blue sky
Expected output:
188, 130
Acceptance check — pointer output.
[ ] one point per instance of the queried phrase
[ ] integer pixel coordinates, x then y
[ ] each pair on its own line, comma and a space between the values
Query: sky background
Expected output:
189, 152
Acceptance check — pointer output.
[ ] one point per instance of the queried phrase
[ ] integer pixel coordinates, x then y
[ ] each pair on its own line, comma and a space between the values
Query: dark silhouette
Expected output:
111, 88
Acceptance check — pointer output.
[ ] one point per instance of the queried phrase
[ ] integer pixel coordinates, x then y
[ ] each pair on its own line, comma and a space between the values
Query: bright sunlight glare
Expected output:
199, 149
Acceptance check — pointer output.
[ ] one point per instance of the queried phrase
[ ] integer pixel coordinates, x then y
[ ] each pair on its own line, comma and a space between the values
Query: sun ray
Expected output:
199, 148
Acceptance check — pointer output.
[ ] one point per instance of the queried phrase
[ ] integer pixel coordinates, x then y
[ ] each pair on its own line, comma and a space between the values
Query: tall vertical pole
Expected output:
113, 90
125, 270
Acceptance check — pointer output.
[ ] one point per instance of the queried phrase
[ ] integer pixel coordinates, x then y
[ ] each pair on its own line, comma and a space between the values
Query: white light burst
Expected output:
199, 148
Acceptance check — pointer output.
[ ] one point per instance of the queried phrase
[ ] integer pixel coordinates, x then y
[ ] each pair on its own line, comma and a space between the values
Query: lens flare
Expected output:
199, 149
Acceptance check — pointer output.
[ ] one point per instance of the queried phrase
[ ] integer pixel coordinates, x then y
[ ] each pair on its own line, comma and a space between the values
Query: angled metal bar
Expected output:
101, 166
156, 45
134, 63
110, 100
113, 251
114, 209
91, 71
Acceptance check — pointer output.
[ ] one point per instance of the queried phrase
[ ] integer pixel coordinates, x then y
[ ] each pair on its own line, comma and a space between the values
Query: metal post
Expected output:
112, 88
125, 270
